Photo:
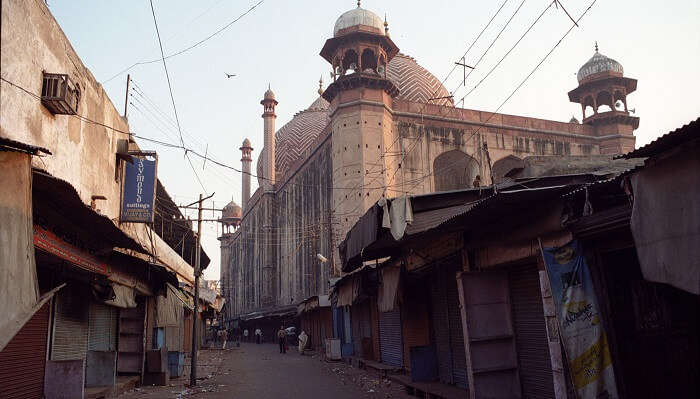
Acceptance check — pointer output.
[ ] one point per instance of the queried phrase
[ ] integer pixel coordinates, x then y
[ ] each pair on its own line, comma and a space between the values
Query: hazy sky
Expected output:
657, 42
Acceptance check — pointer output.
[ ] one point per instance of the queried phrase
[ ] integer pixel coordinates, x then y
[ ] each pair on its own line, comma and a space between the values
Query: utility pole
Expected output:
197, 275
126, 99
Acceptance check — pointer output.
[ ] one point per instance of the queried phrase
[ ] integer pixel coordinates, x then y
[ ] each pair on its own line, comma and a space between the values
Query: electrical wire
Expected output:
186, 49
172, 97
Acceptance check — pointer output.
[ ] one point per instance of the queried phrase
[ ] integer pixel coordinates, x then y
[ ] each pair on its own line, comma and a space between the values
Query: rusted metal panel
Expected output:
23, 360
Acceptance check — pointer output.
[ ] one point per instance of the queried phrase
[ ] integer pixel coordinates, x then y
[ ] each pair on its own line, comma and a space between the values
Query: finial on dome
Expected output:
358, 3
320, 85
386, 26
596, 46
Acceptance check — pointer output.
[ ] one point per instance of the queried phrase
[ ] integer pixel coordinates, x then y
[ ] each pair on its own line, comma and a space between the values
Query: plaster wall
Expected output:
83, 153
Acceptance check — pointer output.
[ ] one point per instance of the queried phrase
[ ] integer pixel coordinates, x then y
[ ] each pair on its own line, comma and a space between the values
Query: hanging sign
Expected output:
586, 345
139, 195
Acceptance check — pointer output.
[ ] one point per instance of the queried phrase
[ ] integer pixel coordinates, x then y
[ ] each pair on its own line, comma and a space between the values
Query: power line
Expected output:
186, 49
172, 98
546, 56
491, 45
509, 51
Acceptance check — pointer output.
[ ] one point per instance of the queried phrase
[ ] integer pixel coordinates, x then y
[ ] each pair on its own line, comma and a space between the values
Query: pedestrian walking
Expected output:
224, 338
258, 336
282, 338
245, 335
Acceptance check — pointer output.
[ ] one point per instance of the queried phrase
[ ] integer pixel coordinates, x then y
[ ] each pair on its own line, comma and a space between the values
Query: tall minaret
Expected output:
246, 160
269, 117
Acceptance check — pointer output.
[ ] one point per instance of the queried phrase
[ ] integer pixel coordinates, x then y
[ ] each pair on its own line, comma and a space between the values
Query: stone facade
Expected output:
385, 127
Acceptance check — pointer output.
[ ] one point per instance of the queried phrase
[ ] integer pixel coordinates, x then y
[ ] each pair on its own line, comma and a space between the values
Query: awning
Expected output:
283, 311
53, 197
313, 302
124, 297
481, 213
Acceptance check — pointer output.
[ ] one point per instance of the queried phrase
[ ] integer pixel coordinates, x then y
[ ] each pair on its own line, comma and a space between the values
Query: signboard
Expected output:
139, 195
49, 242
585, 342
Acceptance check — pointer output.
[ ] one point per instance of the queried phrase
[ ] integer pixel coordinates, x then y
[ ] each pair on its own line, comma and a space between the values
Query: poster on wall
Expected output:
585, 342
139, 193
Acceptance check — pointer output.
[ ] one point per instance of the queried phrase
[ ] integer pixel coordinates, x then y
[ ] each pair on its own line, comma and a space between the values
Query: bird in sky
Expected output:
229, 75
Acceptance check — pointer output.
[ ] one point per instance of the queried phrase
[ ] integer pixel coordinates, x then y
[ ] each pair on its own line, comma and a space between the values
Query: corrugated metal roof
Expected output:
12, 145
670, 140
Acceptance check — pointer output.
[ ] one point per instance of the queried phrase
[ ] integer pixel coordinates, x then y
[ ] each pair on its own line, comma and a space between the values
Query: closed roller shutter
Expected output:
390, 342
103, 327
530, 333
23, 360
70, 334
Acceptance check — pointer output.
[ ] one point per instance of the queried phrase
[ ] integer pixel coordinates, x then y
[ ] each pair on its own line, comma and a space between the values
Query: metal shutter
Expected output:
390, 342
441, 329
23, 360
459, 358
103, 327
530, 333
70, 334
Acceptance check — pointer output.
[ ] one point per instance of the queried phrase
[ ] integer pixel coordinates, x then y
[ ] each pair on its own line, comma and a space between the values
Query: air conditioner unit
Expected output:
333, 349
60, 94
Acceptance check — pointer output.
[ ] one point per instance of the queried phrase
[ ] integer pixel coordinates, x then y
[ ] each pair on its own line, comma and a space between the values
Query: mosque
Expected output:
384, 127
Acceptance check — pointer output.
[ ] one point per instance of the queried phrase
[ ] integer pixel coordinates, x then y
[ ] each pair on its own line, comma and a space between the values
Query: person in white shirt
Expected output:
258, 336
245, 335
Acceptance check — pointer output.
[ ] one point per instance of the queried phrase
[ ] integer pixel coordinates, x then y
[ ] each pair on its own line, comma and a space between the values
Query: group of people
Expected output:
258, 335
282, 338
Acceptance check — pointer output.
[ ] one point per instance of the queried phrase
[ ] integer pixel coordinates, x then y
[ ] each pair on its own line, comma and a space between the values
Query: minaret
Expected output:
269, 117
603, 87
360, 101
246, 160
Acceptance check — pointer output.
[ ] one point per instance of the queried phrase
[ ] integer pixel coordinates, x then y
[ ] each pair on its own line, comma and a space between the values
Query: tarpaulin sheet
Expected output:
349, 291
124, 297
666, 220
388, 291
169, 310
585, 342
19, 290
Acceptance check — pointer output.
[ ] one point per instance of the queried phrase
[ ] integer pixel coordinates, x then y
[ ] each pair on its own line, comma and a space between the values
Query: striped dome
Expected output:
295, 138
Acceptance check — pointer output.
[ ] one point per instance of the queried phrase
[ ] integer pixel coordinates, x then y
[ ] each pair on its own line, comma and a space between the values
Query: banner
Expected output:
138, 199
585, 342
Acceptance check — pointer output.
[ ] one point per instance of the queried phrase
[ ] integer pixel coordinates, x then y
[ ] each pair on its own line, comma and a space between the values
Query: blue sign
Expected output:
139, 196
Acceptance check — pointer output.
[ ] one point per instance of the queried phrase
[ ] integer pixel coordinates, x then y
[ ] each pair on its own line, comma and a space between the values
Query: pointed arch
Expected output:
454, 170
503, 166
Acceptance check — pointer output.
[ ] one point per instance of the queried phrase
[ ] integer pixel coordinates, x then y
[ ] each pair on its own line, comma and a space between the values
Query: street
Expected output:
260, 371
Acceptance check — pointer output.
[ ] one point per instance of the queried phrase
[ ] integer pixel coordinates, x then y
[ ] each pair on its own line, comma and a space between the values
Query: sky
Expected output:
278, 43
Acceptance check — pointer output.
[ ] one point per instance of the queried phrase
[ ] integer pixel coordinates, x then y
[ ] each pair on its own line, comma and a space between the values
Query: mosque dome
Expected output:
232, 211
294, 139
597, 65
297, 136
416, 83
269, 95
356, 17
246, 143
